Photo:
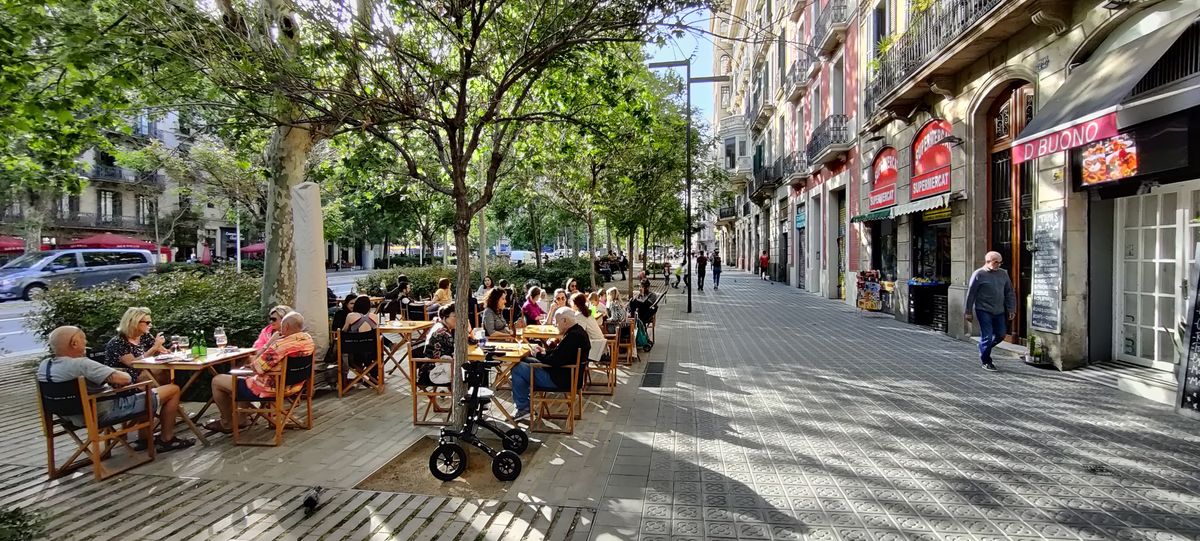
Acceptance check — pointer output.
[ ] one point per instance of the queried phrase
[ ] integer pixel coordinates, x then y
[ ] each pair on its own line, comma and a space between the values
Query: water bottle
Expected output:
202, 348
219, 335
195, 344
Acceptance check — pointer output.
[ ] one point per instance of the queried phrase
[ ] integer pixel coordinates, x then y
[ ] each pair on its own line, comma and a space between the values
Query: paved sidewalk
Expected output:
787, 416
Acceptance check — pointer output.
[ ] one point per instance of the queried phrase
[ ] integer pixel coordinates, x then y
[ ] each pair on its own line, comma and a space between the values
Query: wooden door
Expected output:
1011, 196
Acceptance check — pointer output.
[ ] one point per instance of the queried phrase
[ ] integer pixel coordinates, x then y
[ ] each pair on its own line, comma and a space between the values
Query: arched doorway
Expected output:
1011, 194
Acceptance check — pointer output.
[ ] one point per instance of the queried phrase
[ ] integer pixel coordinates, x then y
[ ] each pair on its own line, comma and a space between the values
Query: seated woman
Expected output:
443, 296
560, 301
273, 318
493, 314
579, 303
618, 316
485, 288
339, 317
571, 287
531, 309
360, 318
134, 342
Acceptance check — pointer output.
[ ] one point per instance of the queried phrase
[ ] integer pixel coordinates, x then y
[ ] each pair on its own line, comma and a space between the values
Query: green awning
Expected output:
882, 214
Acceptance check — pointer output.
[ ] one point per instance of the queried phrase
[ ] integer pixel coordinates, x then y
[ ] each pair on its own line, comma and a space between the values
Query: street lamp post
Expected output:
687, 217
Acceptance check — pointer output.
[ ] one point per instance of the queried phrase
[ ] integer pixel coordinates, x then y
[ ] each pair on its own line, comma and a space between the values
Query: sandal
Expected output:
139, 445
176, 443
215, 425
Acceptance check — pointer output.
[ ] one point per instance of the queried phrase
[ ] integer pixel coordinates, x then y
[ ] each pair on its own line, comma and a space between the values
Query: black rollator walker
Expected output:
449, 459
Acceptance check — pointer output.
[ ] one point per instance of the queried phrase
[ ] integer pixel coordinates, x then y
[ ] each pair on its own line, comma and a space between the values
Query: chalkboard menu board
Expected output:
1189, 369
1046, 293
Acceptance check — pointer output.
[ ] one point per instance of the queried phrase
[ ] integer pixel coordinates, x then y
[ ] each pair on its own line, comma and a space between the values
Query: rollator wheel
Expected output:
506, 466
448, 461
516, 440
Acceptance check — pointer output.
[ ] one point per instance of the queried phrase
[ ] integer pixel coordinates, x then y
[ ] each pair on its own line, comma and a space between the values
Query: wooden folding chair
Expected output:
58, 400
542, 405
280, 410
626, 348
607, 367
366, 350
423, 389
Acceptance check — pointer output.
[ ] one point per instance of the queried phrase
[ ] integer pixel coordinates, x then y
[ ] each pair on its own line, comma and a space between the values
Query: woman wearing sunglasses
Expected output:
135, 341
273, 318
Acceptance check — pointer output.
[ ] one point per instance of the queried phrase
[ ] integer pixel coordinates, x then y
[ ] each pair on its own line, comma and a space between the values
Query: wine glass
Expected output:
174, 343
184, 342
219, 335
520, 334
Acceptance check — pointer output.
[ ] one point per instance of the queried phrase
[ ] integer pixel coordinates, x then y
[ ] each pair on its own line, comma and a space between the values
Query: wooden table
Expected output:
512, 353
407, 330
185, 362
541, 332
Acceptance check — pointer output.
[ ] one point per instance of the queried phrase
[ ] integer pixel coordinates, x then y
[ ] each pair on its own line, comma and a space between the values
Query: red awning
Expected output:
109, 240
256, 248
9, 245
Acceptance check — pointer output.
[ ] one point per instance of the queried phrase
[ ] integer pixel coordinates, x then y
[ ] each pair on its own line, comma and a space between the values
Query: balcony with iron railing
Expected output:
726, 215
766, 178
87, 220
940, 41
831, 25
829, 140
797, 78
112, 173
795, 168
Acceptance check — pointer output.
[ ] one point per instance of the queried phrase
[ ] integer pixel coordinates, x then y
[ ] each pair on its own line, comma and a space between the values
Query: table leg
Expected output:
182, 412
199, 415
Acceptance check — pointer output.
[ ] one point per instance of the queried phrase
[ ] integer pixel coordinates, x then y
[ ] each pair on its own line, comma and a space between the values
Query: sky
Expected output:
699, 48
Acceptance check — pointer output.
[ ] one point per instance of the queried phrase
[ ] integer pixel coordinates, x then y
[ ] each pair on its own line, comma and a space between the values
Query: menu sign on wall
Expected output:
1046, 290
931, 160
1188, 400
883, 173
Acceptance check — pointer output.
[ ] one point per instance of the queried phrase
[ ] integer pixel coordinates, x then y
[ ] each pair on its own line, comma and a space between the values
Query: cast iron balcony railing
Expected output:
928, 35
108, 172
797, 78
726, 213
795, 167
86, 220
830, 137
111, 173
765, 179
832, 21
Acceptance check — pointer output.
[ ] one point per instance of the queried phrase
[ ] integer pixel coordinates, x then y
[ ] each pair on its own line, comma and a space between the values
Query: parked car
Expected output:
30, 274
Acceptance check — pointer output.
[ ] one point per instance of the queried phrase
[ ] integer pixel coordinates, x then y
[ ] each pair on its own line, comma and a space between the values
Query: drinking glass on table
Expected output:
174, 343
184, 342
219, 335
520, 333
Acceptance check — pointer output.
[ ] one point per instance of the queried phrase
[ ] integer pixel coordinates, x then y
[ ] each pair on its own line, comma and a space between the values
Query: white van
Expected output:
525, 257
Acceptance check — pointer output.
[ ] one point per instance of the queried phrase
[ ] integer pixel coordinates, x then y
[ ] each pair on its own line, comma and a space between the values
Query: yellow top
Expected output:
443, 296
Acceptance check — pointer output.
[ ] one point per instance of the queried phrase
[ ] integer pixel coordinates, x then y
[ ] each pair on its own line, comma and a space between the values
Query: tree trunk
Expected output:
632, 263
462, 230
591, 248
645, 247
286, 156
483, 244
537, 241
608, 236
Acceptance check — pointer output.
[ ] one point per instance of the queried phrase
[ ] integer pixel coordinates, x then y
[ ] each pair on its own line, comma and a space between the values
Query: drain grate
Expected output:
655, 367
1098, 469
651, 380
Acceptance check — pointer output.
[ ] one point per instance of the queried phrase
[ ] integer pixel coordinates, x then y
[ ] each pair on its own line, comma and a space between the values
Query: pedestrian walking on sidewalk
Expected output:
763, 262
716, 266
701, 265
992, 301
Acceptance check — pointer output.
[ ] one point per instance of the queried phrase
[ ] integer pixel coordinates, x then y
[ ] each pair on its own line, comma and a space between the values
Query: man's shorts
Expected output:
120, 408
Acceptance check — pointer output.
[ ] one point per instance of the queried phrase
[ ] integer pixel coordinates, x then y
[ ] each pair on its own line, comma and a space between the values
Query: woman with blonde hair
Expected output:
274, 317
618, 316
134, 342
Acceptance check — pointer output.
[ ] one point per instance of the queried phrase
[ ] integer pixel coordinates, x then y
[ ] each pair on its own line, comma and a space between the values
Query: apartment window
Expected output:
14, 207
105, 159
742, 147
837, 85
185, 201
68, 206
815, 105
798, 127
725, 64
726, 96
145, 209
782, 54
730, 152
881, 22
782, 135
108, 205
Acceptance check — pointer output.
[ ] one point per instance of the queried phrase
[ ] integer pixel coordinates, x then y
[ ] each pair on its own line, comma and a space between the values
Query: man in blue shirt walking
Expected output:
992, 301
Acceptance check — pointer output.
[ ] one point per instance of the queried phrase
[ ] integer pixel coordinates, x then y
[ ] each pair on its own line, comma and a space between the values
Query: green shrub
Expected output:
21, 525
251, 266
182, 303
424, 280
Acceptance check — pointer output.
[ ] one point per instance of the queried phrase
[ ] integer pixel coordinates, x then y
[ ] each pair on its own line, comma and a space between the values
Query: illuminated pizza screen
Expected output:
1109, 160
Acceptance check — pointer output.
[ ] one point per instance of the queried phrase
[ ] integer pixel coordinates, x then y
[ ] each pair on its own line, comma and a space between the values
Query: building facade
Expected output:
1056, 133
138, 204
786, 123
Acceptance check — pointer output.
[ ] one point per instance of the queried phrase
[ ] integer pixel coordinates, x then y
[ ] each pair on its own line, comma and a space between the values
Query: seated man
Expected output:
573, 347
290, 341
70, 361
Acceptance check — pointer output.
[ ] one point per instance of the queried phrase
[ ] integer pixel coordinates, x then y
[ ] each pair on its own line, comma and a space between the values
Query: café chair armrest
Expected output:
143, 386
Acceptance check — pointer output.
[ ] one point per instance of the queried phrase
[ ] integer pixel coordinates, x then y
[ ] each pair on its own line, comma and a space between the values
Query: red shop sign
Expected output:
931, 160
883, 171
1078, 135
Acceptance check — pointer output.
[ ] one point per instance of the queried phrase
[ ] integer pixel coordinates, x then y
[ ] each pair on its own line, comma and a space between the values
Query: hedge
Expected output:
424, 280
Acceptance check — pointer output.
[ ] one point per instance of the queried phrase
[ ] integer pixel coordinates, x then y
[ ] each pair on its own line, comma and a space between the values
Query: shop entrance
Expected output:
1155, 244
1011, 196
801, 264
841, 244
